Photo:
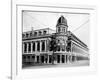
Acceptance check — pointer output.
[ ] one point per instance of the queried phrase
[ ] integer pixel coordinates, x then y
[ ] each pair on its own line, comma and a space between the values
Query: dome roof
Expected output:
62, 21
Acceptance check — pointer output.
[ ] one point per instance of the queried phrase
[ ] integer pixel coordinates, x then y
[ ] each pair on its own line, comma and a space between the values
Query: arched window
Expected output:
43, 46
29, 47
25, 47
38, 46
33, 46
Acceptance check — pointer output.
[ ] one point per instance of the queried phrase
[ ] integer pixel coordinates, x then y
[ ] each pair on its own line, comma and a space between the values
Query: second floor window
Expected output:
43, 46
25, 47
29, 47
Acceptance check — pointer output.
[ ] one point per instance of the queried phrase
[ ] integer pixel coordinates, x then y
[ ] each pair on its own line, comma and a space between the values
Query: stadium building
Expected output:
36, 46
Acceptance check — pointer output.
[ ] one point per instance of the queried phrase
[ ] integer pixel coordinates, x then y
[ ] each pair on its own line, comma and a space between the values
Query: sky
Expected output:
77, 23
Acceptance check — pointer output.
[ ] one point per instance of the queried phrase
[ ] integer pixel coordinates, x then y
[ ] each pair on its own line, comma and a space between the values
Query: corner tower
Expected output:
61, 26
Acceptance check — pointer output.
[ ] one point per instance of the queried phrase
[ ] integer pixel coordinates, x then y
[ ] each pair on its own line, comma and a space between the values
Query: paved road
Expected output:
78, 63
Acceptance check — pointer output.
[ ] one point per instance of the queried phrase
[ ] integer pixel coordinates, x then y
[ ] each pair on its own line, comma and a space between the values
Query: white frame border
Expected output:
17, 72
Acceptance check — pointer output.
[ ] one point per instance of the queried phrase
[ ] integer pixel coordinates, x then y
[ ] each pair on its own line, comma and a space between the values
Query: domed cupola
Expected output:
62, 21
61, 25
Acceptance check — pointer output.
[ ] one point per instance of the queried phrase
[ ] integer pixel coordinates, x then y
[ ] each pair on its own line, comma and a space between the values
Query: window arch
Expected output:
33, 46
43, 46
38, 46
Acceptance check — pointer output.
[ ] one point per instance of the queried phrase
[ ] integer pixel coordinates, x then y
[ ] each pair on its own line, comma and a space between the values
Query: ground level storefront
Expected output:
54, 58
75, 63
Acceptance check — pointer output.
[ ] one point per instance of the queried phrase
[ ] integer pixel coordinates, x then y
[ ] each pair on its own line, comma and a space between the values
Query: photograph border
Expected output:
15, 71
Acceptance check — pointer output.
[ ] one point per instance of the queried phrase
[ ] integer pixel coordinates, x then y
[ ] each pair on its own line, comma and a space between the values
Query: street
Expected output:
72, 64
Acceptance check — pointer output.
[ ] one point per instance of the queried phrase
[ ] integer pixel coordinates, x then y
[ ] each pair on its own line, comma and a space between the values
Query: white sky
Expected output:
77, 23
